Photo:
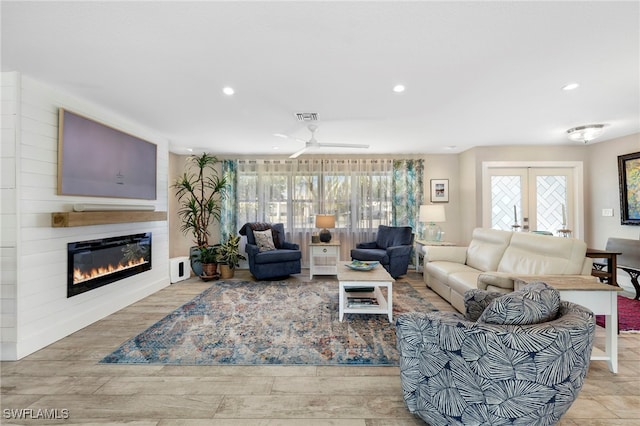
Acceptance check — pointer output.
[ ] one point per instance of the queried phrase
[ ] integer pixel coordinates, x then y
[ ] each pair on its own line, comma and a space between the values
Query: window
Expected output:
358, 192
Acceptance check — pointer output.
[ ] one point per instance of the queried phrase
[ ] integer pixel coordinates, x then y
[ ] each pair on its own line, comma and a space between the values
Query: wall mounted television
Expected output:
100, 161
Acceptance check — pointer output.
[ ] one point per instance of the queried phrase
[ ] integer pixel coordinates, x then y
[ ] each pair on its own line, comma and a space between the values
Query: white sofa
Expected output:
493, 256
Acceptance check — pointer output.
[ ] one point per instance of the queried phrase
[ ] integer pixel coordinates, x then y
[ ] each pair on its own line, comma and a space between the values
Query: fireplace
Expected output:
94, 263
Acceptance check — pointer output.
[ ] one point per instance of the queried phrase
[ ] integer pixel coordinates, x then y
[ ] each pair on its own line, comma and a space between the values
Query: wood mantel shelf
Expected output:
69, 219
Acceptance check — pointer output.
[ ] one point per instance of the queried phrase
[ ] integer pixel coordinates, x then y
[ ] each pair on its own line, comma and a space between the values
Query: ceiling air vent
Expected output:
307, 116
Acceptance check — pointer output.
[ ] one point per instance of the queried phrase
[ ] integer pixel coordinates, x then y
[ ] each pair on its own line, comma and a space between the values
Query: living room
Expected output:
36, 311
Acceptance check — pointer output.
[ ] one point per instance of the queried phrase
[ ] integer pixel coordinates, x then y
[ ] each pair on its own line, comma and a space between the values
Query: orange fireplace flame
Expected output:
79, 276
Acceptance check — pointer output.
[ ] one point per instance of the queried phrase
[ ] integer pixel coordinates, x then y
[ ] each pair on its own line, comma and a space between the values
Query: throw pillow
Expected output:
535, 303
264, 240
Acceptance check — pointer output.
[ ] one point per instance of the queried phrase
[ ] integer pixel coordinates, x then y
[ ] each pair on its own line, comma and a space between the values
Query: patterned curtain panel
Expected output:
408, 191
228, 214
292, 192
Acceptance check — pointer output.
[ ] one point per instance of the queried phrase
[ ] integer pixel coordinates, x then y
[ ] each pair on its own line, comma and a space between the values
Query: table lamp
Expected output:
432, 213
325, 221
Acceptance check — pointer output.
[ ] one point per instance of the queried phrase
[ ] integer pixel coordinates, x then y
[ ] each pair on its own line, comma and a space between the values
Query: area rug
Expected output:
628, 315
287, 323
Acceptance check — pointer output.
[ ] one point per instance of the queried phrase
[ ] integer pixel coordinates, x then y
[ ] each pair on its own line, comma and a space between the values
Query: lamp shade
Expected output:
432, 213
325, 221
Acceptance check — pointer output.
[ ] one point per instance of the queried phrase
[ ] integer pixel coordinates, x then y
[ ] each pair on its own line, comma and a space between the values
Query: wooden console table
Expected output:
610, 275
587, 291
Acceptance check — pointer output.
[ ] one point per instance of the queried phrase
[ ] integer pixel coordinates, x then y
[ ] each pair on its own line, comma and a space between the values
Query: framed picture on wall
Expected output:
439, 190
629, 178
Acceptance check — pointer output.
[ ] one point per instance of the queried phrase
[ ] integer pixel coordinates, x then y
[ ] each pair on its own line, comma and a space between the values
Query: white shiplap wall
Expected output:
43, 313
8, 216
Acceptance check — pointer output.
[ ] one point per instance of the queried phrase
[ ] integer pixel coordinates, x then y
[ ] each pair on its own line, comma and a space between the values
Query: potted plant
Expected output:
229, 256
200, 191
207, 256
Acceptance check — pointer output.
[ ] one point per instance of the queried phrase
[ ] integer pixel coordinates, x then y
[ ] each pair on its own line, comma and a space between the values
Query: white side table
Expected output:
587, 291
324, 258
417, 248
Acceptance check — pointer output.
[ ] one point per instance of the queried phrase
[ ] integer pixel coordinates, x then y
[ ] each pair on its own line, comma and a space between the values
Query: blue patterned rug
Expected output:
286, 323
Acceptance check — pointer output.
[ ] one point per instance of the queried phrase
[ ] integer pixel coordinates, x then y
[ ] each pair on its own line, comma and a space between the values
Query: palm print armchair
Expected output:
519, 358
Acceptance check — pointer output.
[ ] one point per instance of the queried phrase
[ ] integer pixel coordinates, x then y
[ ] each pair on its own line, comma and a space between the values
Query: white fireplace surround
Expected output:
35, 309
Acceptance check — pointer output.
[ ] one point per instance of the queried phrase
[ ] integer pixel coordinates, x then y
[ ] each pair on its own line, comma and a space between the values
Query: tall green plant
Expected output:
200, 191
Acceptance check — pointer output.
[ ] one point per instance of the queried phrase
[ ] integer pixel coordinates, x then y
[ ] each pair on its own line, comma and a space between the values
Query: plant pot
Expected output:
194, 258
209, 269
226, 271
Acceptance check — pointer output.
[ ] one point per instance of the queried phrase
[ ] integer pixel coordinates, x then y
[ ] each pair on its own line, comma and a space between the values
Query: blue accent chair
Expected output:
285, 260
392, 248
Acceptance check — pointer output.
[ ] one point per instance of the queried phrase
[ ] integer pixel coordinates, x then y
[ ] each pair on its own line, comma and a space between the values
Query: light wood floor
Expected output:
66, 375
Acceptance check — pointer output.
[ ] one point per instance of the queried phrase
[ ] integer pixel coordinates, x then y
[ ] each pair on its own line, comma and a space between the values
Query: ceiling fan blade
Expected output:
344, 145
298, 153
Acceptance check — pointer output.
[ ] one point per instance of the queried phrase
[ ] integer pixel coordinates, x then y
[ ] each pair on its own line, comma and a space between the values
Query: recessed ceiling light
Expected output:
570, 86
280, 135
275, 147
398, 88
228, 91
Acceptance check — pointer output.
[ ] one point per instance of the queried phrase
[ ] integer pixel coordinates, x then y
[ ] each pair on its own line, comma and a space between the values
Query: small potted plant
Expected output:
229, 256
208, 259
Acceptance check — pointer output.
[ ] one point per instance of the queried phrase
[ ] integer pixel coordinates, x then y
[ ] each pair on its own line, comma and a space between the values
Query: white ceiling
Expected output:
476, 73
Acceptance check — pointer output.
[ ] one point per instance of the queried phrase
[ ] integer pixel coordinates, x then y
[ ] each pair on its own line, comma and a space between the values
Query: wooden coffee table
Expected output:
376, 279
587, 291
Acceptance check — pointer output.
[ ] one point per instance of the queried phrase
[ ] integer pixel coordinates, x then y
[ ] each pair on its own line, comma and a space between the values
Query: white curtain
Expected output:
357, 192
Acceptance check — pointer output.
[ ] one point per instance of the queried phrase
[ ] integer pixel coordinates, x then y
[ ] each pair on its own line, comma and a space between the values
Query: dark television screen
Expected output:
100, 161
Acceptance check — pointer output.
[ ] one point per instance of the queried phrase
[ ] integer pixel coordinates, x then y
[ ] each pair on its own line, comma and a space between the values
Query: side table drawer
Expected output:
324, 251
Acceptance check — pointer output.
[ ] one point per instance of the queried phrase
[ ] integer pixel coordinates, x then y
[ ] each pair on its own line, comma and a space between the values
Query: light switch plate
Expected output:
607, 212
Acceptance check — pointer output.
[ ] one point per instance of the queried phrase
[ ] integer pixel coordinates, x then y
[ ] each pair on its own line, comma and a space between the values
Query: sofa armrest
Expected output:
587, 266
495, 279
446, 253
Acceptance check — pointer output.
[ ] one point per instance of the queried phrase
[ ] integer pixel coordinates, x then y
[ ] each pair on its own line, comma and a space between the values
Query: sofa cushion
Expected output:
541, 254
486, 248
535, 303
264, 240
441, 270
277, 256
462, 281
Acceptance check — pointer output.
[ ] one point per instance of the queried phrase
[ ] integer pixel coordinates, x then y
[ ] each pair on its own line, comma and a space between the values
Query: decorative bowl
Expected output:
359, 265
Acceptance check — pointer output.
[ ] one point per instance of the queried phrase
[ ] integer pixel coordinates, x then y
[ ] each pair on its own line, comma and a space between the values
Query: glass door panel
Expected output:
535, 198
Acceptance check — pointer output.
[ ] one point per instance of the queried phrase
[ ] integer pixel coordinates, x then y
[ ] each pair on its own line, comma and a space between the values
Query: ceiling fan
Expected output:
314, 144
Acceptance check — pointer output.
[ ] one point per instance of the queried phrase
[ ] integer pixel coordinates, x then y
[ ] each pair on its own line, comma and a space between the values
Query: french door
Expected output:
536, 198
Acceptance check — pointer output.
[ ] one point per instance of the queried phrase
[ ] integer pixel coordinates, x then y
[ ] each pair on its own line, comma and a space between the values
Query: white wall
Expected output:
604, 191
446, 166
43, 313
8, 216
471, 174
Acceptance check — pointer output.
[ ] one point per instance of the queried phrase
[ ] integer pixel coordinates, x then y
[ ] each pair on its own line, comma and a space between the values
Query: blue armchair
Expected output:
392, 248
280, 261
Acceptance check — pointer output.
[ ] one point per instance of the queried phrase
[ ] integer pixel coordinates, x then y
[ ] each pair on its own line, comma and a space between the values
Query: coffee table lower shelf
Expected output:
384, 306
